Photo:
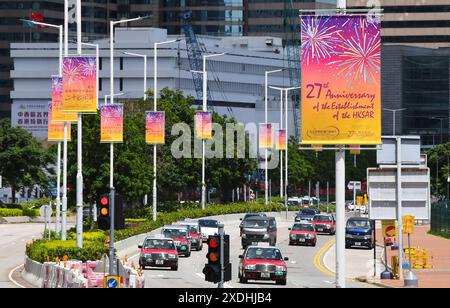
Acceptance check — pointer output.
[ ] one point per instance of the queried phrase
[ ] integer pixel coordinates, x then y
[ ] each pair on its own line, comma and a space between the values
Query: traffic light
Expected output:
103, 220
212, 270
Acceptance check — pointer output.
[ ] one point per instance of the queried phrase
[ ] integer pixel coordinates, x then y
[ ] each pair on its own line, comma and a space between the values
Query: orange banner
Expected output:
57, 103
56, 129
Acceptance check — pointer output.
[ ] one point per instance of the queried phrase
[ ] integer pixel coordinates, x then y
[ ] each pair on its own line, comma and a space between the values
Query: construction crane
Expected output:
293, 52
194, 53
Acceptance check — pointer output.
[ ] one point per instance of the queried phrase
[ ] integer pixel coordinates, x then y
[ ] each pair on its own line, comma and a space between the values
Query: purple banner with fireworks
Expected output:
155, 123
80, 84
203, 124
281, 140
111, 123
57, 103
341, 92
265, 136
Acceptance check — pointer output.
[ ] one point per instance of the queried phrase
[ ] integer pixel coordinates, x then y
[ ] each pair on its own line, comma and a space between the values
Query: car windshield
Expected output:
264, 253
159, 244
303, 227
208, 223
192, 229
256, 224
360, 224
307, 212
174, 233
322, 218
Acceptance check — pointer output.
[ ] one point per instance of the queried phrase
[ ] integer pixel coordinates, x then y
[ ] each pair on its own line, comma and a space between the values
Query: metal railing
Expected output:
440, 218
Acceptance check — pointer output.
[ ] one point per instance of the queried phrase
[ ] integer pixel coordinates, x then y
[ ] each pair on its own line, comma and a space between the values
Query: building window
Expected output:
121, 84
100, 81
100, 64
121, 63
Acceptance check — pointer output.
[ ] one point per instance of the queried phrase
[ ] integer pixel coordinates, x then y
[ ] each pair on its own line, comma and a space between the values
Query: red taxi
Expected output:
181, 238
158, 252
194, 233
263, 263
303, 233
324, 223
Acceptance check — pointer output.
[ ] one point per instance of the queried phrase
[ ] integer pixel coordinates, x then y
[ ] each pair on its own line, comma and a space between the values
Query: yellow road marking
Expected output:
318, 258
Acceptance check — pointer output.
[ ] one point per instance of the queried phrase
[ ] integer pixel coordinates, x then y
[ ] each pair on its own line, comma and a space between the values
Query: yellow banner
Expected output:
56, 129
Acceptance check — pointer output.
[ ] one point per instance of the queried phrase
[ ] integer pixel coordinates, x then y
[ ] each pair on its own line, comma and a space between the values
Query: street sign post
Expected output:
111, 282
408, 228
46, 212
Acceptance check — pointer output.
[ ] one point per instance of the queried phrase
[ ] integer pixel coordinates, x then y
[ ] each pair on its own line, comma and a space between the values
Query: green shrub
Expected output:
30, 212
42, 250
34, 204
10, 212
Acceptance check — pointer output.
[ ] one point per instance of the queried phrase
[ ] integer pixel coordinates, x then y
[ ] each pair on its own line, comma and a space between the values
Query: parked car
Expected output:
181, 238
208, 227
305, 214
259, 229
325, 224
194, 232
359, 232
303, 233
263, 263
158, 252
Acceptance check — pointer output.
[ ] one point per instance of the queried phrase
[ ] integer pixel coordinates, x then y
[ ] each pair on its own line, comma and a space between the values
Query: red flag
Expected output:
37, 16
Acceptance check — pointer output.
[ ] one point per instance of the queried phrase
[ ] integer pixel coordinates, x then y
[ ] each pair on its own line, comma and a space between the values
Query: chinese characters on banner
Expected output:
203, 124
265, 136
80, 84
56, 129
341, 93
111, 130
57, 103
155, 123
281, 140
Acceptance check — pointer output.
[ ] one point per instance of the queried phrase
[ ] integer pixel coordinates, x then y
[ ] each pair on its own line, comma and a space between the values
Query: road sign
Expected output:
389, 228
354, 185
408, 224
111, 282
410, 151
46, 211
382, 184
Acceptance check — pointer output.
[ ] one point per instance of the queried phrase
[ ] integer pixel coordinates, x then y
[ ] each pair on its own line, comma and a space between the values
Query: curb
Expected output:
375, 283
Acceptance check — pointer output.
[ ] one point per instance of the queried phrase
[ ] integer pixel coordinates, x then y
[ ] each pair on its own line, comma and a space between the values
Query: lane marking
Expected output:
318, 258
12, 279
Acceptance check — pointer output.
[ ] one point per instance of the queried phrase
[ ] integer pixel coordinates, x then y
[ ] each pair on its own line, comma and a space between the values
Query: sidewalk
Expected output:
438, 249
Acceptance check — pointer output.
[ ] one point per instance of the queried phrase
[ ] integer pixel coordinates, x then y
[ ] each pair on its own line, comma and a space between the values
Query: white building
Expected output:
236, 80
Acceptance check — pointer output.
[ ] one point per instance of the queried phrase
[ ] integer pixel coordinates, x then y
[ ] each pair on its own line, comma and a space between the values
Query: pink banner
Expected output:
155, 123
57, 103
203, 124
111, 123
265, 136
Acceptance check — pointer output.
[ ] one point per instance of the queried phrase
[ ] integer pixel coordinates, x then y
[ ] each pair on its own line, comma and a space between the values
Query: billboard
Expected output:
111, 128
80, 84
203, 124
155, 123
341, 89
33, 117
57, 103
265, 136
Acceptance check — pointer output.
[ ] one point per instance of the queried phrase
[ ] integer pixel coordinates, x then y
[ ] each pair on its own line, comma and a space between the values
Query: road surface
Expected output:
13, 239
302, 270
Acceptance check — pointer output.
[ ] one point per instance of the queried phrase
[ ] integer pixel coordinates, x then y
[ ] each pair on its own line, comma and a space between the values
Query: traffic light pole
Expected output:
222, 256
111, 232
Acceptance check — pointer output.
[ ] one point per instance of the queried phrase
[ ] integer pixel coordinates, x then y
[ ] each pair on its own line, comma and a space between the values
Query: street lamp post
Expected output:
155, 108
58, 164
266, 152
394, 111
205, 108
111, 83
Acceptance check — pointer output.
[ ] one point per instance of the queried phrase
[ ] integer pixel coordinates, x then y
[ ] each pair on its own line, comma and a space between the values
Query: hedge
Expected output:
10, 212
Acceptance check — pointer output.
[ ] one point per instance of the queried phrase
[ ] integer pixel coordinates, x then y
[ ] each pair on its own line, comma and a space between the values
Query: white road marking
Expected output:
12, 280
327, 281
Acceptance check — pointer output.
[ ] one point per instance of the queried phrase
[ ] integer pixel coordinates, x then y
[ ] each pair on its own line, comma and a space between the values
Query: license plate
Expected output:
302, 240
320, 230
265, 275
159, 262
357, 244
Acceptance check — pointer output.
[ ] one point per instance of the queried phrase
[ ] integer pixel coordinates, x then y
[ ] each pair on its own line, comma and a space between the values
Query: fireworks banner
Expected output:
57, 103
281, 140
203, 124
341, 93
155, 123
111, 130
80, 84
56, 129
265, 136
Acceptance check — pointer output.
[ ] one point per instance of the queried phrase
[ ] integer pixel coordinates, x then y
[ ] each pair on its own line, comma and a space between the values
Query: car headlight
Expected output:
266, 236
281, 268
250, 267
367, 237
172, 256
327, 227
310, 236
349, 236
244, 235
147, 256
293, 237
